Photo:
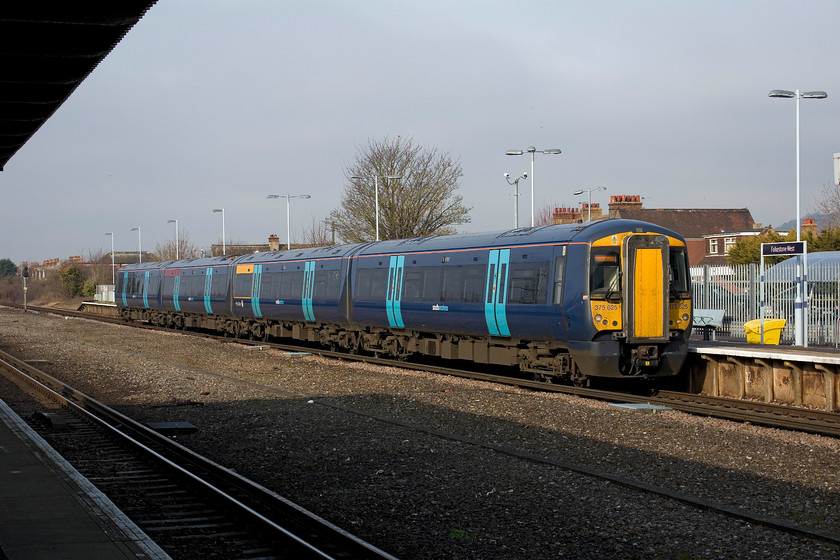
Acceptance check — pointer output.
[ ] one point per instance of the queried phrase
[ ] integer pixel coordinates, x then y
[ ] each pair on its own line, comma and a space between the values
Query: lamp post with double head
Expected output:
515, 184
800, 318
589, 203
532, 150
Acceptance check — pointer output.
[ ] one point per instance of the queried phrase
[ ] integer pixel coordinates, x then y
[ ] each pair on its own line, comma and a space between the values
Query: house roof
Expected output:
692, 223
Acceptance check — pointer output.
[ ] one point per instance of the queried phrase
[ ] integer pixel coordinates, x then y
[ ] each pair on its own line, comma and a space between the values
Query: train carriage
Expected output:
608, 298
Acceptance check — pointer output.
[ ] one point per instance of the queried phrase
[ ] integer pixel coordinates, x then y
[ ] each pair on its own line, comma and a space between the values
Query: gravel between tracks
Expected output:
314, 430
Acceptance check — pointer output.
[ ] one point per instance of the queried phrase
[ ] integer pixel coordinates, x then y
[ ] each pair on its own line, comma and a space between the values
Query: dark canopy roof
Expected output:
46, 50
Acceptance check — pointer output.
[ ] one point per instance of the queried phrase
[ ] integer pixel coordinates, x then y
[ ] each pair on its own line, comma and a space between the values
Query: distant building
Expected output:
574, 215
701, 227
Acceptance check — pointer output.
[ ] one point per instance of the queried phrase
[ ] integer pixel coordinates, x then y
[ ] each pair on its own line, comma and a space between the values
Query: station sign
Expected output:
782, 249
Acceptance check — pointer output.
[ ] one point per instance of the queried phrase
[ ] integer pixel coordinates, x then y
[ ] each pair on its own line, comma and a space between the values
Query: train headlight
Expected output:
685, 317
599, 318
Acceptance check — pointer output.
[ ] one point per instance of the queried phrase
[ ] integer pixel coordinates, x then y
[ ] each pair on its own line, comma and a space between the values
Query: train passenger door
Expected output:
646, 270
495, 295
146, 290
308, 287
256, 288
208, 284
394, 291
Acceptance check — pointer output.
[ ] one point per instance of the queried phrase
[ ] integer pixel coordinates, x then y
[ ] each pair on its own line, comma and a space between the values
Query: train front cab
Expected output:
639, 306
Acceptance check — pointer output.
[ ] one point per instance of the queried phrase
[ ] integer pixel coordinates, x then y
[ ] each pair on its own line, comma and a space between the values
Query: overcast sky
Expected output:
209, 104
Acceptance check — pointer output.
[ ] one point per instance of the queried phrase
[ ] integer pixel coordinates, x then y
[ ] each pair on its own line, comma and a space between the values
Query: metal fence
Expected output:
736, 290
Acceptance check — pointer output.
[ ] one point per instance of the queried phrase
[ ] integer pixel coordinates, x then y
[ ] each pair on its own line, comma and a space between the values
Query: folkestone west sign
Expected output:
782, 249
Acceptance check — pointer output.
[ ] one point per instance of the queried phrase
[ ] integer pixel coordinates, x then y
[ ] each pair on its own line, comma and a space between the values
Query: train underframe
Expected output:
542, 360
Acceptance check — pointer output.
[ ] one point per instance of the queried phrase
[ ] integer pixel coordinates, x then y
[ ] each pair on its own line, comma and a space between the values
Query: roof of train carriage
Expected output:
562, 233
331, 251
46, 50
198, 262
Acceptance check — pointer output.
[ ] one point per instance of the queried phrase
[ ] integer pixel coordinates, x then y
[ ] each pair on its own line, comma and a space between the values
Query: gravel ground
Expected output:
415, 464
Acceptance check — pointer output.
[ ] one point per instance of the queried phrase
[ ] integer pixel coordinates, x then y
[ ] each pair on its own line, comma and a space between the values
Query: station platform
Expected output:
48, 510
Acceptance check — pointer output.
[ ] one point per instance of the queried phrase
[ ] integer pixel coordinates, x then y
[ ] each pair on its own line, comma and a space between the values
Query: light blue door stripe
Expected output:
490, 293
501, 292
255, 290
308, 283
495, 294
208, 283
176, 290
394, 291
124, 284
146, 290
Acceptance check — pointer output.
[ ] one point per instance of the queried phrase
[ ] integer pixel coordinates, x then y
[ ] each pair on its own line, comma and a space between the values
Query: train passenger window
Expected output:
605, 273
463, 284
491, 279
242, 285
679, 272
559, 265
432, 283
371, 283
326, 284
291, 286
414, 284
528, 283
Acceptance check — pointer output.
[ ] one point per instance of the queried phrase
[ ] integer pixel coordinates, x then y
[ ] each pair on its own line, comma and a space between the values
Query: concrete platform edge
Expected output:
97, 500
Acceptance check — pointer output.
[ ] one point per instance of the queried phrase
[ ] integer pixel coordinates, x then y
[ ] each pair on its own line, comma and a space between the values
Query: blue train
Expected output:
604, 299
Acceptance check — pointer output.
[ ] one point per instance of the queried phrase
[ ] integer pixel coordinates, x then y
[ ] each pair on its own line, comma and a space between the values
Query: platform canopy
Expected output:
47, 48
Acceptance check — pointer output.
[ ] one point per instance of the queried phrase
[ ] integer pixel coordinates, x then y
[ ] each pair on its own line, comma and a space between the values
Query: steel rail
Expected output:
766, 414
332, 541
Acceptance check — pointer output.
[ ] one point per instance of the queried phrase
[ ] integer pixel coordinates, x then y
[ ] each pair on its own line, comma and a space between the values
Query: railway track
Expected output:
191, 506
749, 515
761, 413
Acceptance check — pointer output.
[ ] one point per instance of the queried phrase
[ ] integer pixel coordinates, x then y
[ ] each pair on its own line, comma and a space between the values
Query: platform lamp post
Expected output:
224, 247
113, 265
376, 194
532, 150
139, 243
589, 203
800, 318
515, 184
177, 242
288, 198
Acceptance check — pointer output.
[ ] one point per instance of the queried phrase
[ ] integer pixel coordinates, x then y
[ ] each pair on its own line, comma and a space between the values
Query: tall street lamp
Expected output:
589, 203
288, 198
224, 247
177, 242
376, 194
515, 184
139, 243
113, 267
799, 318
798, 95
532, 150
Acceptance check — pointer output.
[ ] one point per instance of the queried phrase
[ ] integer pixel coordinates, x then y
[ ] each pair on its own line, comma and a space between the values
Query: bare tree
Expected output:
828, 203
545, 215
319, 233
186, 250
420, 202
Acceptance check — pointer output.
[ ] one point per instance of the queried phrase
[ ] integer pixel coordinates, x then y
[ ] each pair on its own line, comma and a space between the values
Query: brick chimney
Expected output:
809, 224
628, 201
273, 242
564, 215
